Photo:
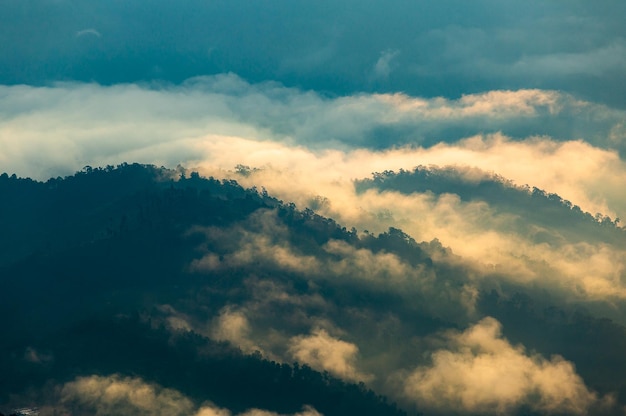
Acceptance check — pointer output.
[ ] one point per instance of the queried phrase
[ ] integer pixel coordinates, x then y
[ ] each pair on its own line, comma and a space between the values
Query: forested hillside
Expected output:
205, 295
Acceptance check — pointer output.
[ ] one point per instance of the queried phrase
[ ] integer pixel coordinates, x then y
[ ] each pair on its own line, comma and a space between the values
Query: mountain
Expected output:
90, 265
144, 290
532, 208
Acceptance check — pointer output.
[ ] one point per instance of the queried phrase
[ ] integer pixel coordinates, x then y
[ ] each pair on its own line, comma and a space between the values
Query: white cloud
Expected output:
232, 325
114, 395
263, 239
306, 411
585, 270
594, 62
383, 68
51, 131
481, 372
210, 410
88, 32
260, 239
117, 395
325, 353
304, 145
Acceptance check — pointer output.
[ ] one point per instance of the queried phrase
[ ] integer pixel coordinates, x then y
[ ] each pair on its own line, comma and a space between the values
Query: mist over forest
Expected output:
144, 290
270, 207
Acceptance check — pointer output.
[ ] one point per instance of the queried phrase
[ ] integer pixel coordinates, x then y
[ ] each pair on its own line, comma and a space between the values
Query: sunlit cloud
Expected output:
482, 372
115, 394
233, 326
119, 395
93, 123
325, 353
309, 149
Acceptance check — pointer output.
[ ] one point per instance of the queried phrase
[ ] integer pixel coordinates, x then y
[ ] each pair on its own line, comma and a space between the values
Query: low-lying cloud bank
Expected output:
475, 371
584, 265
544, 138
309, 148
306, 148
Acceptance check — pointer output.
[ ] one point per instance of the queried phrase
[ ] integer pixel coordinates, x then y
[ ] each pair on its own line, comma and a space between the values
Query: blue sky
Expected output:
445, 48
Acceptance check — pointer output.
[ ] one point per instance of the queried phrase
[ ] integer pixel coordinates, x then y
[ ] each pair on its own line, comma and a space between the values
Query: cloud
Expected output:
309, 148
115, 395
260, 239
594, 62
212, 411
327, 47
316, 315
233, 326
264, 242
325, 353
35, 356
88, 121
560, 167
55, 131
175, 320
306, 411
119, 395
539, 47
382, 69
322, 325
481, 372
88, 32
594, 269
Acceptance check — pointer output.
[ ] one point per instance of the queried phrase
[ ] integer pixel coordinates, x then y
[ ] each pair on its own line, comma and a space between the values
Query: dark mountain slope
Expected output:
84, 254
131, 271
532, 206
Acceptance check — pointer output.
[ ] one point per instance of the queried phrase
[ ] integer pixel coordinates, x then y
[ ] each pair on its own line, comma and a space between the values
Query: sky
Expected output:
448, 48
304, 98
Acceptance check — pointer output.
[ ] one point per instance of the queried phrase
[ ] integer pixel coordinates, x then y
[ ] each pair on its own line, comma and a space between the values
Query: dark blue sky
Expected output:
444, 48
